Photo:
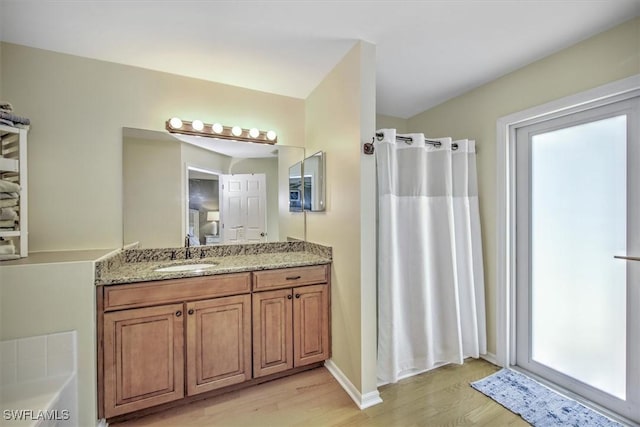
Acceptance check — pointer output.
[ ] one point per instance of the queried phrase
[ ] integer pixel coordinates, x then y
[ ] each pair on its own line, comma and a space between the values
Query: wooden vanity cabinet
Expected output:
146, 351
218, 343
174, 339
290, 325
143, 358
310, 324
272, 332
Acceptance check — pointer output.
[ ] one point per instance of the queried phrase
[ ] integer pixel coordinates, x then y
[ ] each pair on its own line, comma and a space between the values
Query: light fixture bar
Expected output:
186, 127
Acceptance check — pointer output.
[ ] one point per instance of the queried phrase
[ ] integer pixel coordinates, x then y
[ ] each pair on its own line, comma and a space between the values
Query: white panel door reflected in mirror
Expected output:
244, 199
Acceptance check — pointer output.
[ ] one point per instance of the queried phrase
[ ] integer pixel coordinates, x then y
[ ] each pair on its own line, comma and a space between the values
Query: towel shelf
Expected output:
13, 167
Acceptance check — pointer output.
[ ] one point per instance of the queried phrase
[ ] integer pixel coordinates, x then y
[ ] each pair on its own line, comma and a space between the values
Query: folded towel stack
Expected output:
9, 194
8, 213
7, 116
7, 250
8, 186
7, 247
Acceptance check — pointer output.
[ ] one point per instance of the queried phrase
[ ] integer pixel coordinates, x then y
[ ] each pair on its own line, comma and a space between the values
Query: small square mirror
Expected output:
313, 169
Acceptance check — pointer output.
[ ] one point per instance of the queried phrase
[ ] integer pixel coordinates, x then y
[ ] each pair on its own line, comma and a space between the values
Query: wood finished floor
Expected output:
441, 397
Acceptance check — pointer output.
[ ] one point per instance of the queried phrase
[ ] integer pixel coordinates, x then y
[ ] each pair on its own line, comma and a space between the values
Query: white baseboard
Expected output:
102, 423
491, 358
363, 401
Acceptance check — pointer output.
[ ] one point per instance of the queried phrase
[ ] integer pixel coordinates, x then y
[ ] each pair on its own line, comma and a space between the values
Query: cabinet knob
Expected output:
178, 313
293, 277
289, 297
297, 295
190, 311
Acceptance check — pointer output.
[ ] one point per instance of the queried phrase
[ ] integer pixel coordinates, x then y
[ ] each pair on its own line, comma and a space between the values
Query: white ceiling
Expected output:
427, 51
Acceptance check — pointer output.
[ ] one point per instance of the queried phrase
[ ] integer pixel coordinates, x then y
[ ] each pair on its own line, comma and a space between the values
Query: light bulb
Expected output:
236, 131
217, 128
271, 135
175, 123
197, 125
254, 133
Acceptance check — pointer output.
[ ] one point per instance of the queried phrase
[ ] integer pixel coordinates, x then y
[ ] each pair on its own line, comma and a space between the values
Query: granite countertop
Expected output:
55, 257
139, 266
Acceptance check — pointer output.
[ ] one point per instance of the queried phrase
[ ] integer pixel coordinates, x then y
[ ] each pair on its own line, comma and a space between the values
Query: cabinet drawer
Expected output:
117, 297
289, 277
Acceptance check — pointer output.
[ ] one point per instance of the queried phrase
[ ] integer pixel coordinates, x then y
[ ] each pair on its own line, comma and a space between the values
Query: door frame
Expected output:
506, 128
629, 109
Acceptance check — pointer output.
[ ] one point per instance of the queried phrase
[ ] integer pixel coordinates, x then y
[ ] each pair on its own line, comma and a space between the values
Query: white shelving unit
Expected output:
13, 167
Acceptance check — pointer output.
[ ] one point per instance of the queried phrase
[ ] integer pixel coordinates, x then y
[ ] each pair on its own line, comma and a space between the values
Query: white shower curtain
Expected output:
430, 278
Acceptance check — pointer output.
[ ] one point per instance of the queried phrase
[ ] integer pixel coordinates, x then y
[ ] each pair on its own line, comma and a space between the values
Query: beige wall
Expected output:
78, 107
49, 298
368, 227
390, 122
152, 175
333, 125
609, 56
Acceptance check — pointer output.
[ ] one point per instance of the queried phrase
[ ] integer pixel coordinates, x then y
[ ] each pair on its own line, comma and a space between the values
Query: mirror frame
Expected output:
318, 184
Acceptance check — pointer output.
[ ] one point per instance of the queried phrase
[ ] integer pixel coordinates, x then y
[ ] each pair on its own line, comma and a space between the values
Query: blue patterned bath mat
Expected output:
537, 404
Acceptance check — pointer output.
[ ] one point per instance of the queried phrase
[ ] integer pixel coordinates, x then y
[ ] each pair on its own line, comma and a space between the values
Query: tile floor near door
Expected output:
441, 397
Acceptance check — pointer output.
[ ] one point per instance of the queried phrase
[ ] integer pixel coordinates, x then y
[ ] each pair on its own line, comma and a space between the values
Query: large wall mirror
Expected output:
206, 191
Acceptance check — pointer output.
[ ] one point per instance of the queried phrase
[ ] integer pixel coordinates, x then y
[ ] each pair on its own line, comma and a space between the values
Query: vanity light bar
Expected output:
216, 130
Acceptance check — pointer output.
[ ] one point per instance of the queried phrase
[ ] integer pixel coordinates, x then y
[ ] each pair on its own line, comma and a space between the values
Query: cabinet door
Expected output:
218, 343
272, 332
143, 358
310, 324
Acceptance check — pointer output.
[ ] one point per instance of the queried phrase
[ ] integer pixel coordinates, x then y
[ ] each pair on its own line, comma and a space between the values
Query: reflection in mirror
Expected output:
295, 188
314, 185
244, 203
203, 207
166, 193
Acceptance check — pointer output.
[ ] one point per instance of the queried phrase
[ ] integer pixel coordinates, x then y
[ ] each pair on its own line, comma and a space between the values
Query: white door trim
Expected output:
505, 214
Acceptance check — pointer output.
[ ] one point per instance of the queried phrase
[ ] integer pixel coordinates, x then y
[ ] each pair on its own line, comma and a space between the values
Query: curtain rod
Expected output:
409, 140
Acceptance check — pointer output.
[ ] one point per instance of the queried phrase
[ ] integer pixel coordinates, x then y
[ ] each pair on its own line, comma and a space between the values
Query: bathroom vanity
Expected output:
187, 332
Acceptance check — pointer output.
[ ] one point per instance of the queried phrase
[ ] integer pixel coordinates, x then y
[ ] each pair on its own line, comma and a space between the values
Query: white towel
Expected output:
7, 247
7, 203
8, 213
8, 186
9, 195
7, 223
5, 105
9, 257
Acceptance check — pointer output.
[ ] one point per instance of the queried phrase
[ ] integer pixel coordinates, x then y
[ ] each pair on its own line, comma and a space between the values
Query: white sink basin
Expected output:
184, 267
